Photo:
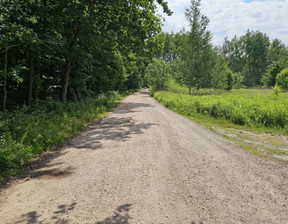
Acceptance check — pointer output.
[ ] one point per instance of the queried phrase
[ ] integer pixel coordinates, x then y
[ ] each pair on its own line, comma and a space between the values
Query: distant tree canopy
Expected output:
70, 48
248, 61
256, 58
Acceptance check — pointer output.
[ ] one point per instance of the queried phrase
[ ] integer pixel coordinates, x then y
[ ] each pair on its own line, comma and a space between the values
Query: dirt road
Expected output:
146, 164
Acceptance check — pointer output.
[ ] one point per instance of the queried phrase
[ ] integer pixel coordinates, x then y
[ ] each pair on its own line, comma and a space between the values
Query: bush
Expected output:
269, 79
282, 79
276, 90
158, 74
12, 154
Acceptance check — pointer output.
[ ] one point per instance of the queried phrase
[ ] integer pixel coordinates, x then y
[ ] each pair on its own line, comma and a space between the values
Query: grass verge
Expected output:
27, 132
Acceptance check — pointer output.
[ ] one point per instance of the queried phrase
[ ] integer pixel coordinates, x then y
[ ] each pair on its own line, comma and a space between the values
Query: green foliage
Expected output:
76, 48
255, 58
276, 90
196, 50
269, 79
222, 76
256, 49
26, 132
158, 74
135, 70
12, 153
170, 44
278, 52
229, 80
243, 107
238, 81
175, 87
234, 53
282, 79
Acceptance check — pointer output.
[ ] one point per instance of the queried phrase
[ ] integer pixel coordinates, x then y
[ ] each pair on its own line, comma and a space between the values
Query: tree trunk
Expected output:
37, 80
89, 85
36, 94
66, 80
30, 82
69, 63
37, 87
5, 82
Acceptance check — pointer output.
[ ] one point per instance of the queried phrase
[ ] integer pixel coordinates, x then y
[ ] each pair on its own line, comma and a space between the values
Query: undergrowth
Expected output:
28, 131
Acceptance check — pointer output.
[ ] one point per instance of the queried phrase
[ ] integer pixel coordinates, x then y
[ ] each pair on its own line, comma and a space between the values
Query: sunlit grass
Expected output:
247, 107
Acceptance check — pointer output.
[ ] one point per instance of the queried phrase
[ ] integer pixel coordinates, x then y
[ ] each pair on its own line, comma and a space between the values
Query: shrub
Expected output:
276, 90
282, 79
269, 79
158, 74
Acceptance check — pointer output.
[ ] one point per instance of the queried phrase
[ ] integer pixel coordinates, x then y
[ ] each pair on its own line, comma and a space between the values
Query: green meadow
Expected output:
258, 108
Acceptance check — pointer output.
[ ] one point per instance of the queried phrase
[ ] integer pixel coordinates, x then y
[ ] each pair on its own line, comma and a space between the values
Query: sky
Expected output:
230, 17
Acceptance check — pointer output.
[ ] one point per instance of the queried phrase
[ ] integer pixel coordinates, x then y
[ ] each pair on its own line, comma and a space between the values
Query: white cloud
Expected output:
230, 17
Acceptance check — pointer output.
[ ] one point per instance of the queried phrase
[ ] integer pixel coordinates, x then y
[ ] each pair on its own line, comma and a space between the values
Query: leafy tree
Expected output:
222, 76
269, 78
13, 34
234, 53
282, 79
278, 52
229, 80
196, 51
75, 47
126, 25
256, 49
135, 71
158, 74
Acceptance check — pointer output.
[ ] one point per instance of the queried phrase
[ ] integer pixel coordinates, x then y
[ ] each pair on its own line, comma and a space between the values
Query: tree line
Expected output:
70, 49
251, 60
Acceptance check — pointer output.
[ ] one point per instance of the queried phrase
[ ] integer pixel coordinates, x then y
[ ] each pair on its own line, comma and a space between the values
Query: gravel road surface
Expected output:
145, 164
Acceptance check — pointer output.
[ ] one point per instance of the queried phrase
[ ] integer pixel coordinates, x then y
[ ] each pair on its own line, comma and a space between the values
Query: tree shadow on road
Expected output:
130, 107
144, 93
121, 216
44, 167
110, 129
41, 167
56, 217
59, 216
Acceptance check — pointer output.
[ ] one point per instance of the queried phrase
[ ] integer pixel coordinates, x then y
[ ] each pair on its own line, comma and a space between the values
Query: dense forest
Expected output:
71, 49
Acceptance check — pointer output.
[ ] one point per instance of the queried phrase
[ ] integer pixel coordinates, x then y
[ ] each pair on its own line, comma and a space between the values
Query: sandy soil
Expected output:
146, 164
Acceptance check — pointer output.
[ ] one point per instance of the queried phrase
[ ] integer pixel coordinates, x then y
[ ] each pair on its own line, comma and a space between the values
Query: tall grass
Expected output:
254, 108
26, 132
174, 87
